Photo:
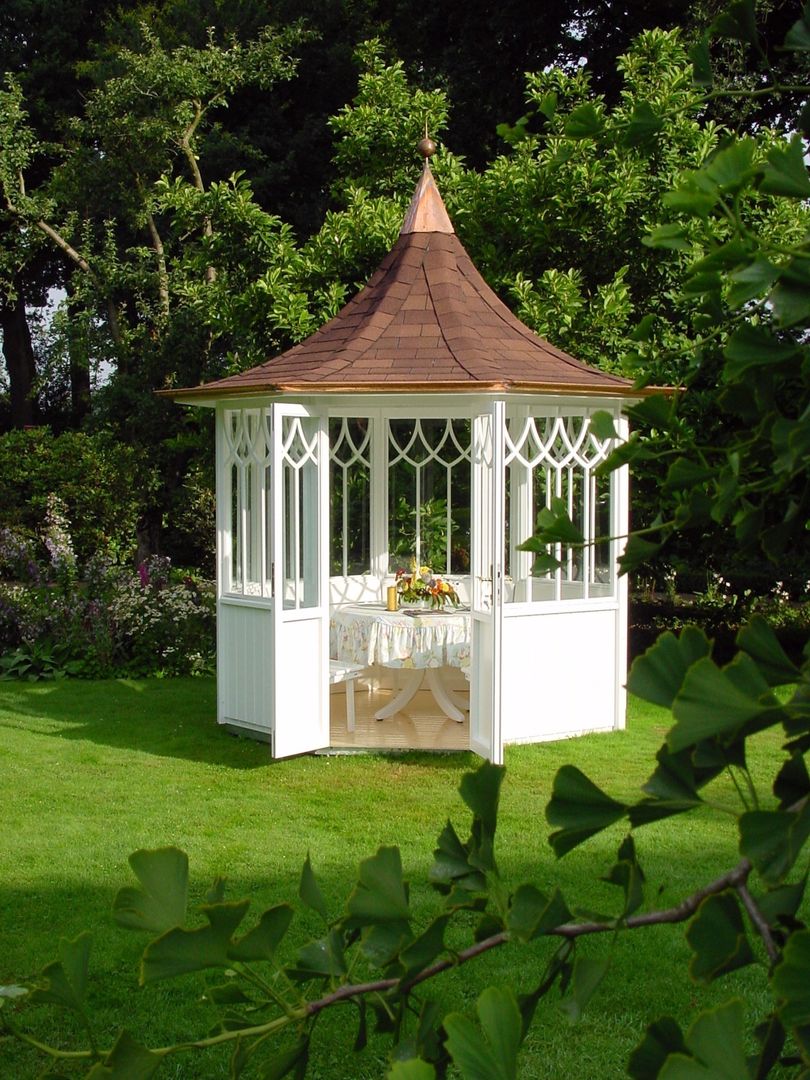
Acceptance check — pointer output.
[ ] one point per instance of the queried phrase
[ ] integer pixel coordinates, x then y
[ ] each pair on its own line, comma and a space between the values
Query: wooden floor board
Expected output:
420, 726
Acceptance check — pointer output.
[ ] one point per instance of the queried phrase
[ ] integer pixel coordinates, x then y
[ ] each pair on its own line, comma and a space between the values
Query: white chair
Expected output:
341, 671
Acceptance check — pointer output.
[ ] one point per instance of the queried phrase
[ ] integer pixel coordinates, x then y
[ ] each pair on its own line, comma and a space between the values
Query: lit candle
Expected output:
392, 598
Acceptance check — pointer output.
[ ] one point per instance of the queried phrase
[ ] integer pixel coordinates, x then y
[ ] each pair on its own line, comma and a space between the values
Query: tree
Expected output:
19, 356
587, 192
281, 141
748, 338
41, 43
480, 52
136, 222
178, 273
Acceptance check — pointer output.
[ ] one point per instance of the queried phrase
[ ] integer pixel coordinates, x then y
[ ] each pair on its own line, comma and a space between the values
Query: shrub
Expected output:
189, 534
160, 623
18, 555
103, 486
116, 621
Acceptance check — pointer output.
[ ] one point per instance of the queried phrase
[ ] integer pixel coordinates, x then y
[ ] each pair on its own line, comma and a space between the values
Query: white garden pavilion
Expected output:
425, 422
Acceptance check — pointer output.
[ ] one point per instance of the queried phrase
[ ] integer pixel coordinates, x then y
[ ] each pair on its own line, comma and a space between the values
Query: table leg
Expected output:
443, 695
405, 695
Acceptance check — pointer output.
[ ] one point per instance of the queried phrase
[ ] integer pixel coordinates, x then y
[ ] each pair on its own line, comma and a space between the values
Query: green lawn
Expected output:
91, 771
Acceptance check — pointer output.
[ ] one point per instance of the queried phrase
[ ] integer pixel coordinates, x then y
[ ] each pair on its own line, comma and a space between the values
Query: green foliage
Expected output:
36, 660
174, 276
20, 147
71, 600
178, 272
724, 313
432, 521
718, 939
557, 226
491, 1052
752, 478
189, 277
161, 902
379, 131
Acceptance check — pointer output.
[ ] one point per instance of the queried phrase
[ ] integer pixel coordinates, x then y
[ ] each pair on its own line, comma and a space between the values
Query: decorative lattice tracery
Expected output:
350, 495
552, 458
299, 506
247, 469
429, 492
424, 496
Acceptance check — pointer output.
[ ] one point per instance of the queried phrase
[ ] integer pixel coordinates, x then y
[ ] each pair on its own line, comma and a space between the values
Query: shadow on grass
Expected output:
448, 761
165, 717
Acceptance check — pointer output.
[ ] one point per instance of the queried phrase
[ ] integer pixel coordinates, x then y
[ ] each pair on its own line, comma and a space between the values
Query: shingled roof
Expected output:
425, 322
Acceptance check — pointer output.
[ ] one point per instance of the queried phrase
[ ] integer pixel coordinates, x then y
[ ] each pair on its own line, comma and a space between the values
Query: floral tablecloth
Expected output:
368, 634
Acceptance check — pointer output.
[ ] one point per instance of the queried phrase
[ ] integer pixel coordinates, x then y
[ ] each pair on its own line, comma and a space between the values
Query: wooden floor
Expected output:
421, 726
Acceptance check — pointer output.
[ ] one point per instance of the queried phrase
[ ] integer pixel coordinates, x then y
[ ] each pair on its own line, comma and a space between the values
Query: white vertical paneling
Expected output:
379, 494
301, 629
488, 479
244, 663
559, 674
621, 510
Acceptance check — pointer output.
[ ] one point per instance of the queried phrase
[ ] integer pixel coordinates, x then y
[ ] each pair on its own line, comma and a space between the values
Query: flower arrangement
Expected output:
420, 584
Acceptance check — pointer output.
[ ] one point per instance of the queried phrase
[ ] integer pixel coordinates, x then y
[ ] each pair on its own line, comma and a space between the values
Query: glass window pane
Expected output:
554, 457
571, 555
244, 564
308, 532
252, 527
429, 490
268, 510
290, 529
300, 512
602, 577
235, 532
350, 496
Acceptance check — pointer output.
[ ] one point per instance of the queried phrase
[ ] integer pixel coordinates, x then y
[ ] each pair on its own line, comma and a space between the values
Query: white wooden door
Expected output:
299, 522
487, 582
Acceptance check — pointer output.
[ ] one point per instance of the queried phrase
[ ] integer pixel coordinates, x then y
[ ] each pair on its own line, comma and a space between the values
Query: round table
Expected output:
421, 641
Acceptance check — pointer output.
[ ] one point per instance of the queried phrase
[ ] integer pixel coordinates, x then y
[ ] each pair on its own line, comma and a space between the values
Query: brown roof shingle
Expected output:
425, 321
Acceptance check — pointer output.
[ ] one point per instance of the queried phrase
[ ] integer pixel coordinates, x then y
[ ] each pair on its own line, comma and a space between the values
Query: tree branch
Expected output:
51, 1051
732, 879
762, 91
191, 158
735, 878
82, 263
760, 925
160, 257
51, 233
74, 256
188, 150
68, 249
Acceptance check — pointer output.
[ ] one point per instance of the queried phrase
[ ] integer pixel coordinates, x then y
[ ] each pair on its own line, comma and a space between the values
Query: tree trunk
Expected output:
79, 388
19, 355
79, 360
148, 534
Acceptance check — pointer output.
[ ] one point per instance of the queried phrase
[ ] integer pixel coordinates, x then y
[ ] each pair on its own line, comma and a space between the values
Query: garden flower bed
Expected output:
105, 618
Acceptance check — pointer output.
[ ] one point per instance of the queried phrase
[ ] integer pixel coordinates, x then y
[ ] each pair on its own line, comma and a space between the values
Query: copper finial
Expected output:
427, 147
